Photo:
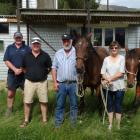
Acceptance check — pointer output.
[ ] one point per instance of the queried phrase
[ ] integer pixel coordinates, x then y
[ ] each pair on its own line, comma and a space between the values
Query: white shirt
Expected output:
110, 68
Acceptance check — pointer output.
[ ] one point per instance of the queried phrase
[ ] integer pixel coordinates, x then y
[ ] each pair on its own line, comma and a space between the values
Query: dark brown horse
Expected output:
88, 64
133, 70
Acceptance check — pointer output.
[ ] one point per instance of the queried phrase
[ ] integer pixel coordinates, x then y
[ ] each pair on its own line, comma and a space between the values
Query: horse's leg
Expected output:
138, 90
99, 100
92, 91
81, 105
136, 102
137, 94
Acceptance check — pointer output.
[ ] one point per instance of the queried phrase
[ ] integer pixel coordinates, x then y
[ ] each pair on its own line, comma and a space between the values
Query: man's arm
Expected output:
17, 71
54, 77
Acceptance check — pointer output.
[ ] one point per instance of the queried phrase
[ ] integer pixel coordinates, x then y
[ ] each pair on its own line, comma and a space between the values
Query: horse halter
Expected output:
81, 58
135, 74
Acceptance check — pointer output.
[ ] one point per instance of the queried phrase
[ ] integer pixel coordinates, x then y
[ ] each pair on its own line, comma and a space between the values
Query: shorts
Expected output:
14, 82
40, 88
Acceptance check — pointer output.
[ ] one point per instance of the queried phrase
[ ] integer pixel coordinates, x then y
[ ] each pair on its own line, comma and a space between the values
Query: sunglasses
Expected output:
114, 48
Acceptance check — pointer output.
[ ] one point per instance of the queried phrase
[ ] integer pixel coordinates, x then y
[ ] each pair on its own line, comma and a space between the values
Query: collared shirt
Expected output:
65, 65
109, 69
37, 67
15, 55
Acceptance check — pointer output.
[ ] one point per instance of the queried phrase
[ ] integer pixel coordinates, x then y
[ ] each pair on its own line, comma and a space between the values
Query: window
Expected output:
108, 36
120, 36
1, 45
97, 37
4, 28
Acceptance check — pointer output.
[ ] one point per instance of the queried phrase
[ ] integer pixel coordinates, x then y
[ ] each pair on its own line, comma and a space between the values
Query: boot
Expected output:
118, 119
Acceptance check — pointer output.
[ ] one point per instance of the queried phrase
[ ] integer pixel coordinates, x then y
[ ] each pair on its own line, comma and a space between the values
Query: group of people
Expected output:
28, 68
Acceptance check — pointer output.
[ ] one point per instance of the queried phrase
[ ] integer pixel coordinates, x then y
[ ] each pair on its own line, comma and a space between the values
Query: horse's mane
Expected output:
75, 36
132, 54
92, 51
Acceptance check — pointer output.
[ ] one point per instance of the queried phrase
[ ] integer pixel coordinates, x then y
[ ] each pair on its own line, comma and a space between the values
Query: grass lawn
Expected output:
89, 125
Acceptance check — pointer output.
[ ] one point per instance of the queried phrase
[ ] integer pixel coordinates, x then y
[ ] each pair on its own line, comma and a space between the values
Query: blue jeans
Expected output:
114, 101
64, 90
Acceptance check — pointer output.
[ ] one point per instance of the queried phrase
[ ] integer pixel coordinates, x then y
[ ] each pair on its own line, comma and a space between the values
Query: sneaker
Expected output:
110, 127
24, 124
8, 112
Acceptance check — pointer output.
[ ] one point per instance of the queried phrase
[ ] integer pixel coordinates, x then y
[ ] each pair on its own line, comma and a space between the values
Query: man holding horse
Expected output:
112, 71
64, 77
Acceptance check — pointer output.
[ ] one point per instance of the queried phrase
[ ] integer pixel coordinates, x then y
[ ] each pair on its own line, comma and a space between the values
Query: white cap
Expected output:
36, 40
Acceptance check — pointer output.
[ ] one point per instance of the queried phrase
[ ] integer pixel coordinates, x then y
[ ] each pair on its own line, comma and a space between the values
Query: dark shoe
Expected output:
24, 124
8, 112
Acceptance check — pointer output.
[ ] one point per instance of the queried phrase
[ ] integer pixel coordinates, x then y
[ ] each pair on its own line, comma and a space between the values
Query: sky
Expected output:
127, 3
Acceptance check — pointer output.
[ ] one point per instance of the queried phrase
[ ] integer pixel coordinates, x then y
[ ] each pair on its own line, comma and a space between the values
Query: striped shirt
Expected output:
65, 65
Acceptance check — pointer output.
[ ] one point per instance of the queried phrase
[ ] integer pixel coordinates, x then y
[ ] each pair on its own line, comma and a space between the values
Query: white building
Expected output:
50, 23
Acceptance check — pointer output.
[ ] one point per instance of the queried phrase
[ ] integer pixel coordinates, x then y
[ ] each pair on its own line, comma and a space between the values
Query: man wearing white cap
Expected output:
37, 65
13, 59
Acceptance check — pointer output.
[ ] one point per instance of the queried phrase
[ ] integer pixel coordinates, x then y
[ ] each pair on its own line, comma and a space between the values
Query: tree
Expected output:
7, 7
77, 4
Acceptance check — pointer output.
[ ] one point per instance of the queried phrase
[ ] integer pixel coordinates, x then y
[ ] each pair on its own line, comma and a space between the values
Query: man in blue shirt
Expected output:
64, 77
13, 59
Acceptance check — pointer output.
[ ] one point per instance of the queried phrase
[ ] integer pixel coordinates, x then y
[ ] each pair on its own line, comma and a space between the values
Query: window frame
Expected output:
103, 34
7, 32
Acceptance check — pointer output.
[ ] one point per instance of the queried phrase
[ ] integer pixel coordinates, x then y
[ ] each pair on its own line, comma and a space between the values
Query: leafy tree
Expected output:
77, 4
7, 7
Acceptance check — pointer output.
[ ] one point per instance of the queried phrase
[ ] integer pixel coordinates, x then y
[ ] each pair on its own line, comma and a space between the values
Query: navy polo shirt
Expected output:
38, 67
15, 55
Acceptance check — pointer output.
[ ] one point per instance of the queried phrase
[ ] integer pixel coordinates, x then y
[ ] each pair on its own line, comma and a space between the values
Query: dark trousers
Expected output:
114, 101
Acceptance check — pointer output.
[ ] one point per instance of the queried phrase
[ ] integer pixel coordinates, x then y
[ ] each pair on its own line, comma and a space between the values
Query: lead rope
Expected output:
104, 98
80, 90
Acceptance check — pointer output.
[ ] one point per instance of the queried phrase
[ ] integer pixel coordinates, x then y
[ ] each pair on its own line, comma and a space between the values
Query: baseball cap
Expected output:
18, 34
36, 40
66, 37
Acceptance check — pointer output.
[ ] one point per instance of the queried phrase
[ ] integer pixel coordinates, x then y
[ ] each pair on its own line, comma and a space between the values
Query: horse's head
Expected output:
81, 54
132, 62
81, 47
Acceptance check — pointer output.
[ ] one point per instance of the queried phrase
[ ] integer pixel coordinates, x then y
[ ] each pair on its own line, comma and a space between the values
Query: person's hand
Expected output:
104, 83
56, 86
109, 80
17, 71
